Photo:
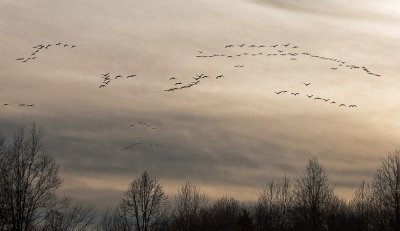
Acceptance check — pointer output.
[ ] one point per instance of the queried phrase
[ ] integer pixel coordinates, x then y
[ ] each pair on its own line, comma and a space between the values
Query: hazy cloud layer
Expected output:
228, 135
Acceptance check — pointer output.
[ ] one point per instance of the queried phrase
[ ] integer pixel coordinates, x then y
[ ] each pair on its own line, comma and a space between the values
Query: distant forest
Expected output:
29, 179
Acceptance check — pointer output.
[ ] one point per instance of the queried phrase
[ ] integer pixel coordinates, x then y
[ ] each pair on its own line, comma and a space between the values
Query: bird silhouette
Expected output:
73, 46
172, 78
326, 100
274, 45
219, 76
280, 92
307, 84
118, 76
178, 83
334, 68
353, 105
6, 104
131, 146
58, 44
105, 74
310, 96
65, 45
294, 93
130, 76
286, 45
242, 45
227, 46
30, 105
342, 105
333, 102
20, 59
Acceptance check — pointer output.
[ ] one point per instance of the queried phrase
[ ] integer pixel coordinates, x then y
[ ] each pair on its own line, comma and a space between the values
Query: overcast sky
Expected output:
227, 135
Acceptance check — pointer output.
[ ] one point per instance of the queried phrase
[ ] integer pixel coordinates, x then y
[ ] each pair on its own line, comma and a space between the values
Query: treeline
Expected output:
29, 179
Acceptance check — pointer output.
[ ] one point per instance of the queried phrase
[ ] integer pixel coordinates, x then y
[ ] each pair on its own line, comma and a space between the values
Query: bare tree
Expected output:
313, 195
362, 205
387, 190
274, 206
68, 216
224, 214
29, 178
114, 220
145, 202
188, 204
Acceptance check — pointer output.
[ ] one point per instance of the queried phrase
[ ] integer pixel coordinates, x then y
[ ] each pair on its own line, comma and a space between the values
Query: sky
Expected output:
227, 135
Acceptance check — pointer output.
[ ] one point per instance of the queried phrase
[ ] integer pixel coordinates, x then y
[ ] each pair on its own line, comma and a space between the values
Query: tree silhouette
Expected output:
273, 209
188, 204
68, 216
386, 188
29, 178
144, 203
313, 195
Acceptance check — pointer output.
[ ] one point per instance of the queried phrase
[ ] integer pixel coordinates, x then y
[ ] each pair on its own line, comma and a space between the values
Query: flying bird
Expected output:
118, 76
73, 46
130, 146
130, 76
172, 78
342, 105
219, 76
309, 96
279, 92
307, 84
293, 93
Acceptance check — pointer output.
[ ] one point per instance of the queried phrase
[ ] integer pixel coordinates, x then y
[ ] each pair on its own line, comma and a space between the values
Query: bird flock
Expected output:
196, 80
137, 144
292, 51
107, 78
315, 97
18, 105
144, 124
38, 49
282, 50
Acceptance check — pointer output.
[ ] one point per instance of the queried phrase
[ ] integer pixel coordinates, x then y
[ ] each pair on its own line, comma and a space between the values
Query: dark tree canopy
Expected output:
29, 180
